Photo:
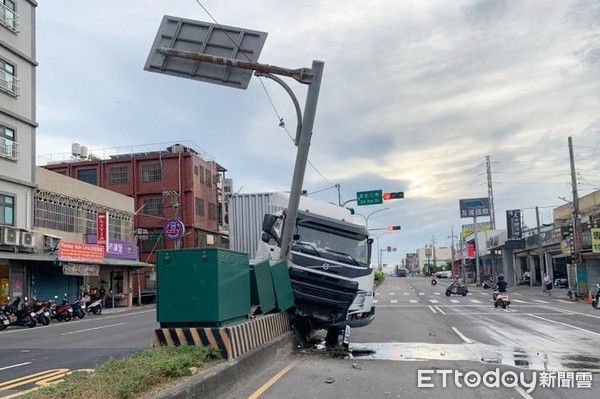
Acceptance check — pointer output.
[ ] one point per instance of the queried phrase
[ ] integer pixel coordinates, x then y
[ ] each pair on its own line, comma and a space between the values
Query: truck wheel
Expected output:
302, 329
333, 334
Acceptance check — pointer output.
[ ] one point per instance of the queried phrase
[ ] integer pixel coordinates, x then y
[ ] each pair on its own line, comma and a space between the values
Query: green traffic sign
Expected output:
372, 197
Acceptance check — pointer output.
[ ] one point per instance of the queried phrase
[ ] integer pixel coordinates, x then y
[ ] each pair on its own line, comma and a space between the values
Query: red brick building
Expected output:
174, 182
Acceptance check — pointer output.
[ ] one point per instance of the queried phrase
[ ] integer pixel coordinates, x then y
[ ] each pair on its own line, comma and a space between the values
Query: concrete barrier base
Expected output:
233, 340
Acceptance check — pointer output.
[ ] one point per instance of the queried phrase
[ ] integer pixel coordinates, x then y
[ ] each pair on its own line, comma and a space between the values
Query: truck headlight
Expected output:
359, 301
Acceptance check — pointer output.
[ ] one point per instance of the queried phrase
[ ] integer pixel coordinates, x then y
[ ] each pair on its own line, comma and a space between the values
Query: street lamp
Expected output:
369, 215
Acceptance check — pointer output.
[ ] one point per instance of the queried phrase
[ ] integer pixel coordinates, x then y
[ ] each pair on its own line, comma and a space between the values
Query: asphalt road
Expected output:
548, 343
30, 356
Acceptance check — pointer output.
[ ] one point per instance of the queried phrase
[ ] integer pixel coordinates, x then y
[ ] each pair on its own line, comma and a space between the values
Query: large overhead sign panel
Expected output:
207, 39
474, 207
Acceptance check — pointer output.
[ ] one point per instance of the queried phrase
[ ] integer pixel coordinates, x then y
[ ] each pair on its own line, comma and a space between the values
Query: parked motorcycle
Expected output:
62, 312
500, 299
20, 315
4, 320
42, 312
78, 308
94, 306
596, 300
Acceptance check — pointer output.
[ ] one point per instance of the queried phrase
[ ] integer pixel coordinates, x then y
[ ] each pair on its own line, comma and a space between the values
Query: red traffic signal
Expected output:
392, 228
390, 196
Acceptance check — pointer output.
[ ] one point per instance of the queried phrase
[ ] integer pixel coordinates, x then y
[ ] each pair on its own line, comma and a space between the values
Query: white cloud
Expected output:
415, 94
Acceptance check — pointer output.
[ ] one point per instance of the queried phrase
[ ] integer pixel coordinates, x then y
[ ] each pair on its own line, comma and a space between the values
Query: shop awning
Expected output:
125, 262
560, 256
28, 256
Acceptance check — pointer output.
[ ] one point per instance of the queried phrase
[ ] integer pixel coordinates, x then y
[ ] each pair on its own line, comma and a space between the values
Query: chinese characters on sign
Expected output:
513, 224
474, 207
80, 252
595, 233
373, 197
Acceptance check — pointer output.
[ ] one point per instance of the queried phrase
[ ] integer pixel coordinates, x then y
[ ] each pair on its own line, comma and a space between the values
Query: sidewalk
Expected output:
535, 291
125, 308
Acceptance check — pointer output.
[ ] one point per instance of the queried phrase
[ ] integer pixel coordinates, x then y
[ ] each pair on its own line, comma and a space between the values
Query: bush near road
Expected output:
133, 376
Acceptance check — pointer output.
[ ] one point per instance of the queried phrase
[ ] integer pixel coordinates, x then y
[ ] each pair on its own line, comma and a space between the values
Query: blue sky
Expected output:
415, 94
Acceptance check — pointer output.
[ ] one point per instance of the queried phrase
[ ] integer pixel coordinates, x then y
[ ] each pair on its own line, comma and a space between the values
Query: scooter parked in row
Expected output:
42, 312
62, 312
19, 315
94, 306
596, 300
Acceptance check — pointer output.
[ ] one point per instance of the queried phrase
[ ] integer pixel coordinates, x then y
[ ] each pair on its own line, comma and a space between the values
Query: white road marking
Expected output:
433, 301
432, 309
421, 293
461, 335
475, 301
437, 293
391, 293
92, 329
569, 312
454, 301
518, 301
540, 301
440, 310
484, 293
563, 301
394, 301
564, 324
517, 293
375, 301
407, 293
413, 301
14, 365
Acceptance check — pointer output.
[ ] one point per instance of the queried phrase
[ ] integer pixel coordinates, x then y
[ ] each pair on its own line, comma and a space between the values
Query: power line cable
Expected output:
279, 118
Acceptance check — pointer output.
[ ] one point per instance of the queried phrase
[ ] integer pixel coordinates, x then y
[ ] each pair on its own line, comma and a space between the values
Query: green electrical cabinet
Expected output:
202, 287
282, 285
262, 293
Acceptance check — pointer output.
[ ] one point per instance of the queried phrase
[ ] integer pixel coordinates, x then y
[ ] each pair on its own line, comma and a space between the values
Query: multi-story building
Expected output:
17, 138
169, 182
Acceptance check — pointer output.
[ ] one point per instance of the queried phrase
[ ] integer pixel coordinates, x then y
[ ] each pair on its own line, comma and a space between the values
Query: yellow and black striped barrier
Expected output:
233, 340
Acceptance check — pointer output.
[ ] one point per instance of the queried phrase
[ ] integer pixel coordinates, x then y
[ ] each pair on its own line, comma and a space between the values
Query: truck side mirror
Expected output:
268, 223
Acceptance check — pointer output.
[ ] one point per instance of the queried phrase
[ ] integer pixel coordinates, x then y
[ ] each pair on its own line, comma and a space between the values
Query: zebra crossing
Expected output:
415, 298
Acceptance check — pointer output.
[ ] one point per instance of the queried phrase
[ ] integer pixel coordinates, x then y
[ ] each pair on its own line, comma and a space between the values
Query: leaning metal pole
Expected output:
310, 109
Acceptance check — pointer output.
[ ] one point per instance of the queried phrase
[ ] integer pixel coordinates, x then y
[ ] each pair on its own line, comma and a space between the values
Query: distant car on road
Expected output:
401, 272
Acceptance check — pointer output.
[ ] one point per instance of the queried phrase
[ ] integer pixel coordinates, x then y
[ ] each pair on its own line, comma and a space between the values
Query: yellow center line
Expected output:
272, 381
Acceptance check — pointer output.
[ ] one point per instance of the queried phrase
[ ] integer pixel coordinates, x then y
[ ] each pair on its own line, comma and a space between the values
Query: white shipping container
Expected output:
246, 212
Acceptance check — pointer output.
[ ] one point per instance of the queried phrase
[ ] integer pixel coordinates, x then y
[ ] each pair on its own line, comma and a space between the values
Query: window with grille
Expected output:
9, 148
151, 172
118, 175
8, 17
212, 211
199, 207
88, 176
7, 210
201, 174
153, 206
152, 243
8, 81
208, 179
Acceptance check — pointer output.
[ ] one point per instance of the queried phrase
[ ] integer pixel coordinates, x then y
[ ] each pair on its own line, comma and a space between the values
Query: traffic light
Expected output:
391, 196
392, 228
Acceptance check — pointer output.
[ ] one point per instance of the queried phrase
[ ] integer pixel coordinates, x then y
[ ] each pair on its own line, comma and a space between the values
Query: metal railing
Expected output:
9, 18
9, 149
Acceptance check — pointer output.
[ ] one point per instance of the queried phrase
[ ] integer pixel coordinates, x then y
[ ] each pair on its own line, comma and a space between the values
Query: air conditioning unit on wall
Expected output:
27, 239
9, 236
51, 241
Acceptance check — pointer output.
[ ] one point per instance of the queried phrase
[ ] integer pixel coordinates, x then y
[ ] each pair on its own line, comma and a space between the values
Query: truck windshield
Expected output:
332, 246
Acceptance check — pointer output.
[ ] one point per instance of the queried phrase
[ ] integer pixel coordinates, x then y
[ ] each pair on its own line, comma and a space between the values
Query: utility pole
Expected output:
543, 268
490, 192
433, 245
576, 227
